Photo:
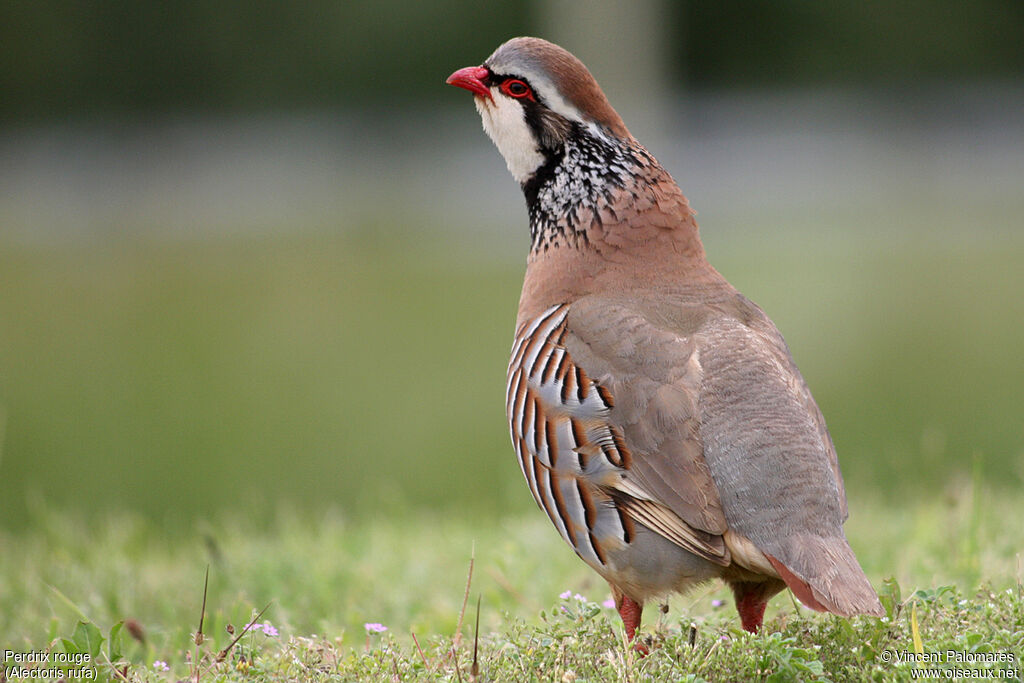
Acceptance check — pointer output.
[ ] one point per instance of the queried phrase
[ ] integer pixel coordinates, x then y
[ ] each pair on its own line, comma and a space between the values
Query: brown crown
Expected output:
568, 74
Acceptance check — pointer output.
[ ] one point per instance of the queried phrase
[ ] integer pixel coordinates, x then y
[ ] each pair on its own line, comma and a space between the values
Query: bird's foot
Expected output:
630, 610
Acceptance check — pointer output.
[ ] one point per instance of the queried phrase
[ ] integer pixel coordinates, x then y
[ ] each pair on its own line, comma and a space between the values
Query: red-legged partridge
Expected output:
656, 413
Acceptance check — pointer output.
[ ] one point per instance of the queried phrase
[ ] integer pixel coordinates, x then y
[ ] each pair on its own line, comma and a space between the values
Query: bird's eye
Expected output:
513, 87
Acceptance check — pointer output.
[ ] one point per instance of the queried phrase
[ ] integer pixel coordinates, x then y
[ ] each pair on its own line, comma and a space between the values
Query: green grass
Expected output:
325, 577
165, 376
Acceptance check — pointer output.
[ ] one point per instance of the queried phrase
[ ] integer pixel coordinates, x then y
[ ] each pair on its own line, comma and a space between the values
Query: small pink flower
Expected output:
267, 628
375, 628
566, 595
609, 603
717, 603
161, 665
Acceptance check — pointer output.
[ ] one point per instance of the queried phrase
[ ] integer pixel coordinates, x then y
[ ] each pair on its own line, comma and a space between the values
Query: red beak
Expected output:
472, 79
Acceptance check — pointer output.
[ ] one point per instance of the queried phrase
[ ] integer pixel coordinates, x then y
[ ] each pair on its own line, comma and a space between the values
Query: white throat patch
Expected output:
505, 123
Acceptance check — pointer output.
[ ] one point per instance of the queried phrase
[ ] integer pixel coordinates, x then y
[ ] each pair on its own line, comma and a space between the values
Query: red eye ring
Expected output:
513, 87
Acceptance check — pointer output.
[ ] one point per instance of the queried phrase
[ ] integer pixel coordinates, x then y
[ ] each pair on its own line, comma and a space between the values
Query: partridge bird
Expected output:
657, 414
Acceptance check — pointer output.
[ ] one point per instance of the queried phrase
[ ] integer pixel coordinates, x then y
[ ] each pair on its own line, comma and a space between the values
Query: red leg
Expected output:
751, 607
751, 601
630, 610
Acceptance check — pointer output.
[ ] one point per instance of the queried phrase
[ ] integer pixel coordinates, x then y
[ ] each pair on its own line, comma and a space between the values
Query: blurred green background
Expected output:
256, 254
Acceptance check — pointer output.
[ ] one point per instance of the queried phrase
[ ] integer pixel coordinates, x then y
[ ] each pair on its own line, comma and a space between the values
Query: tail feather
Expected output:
824, 574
